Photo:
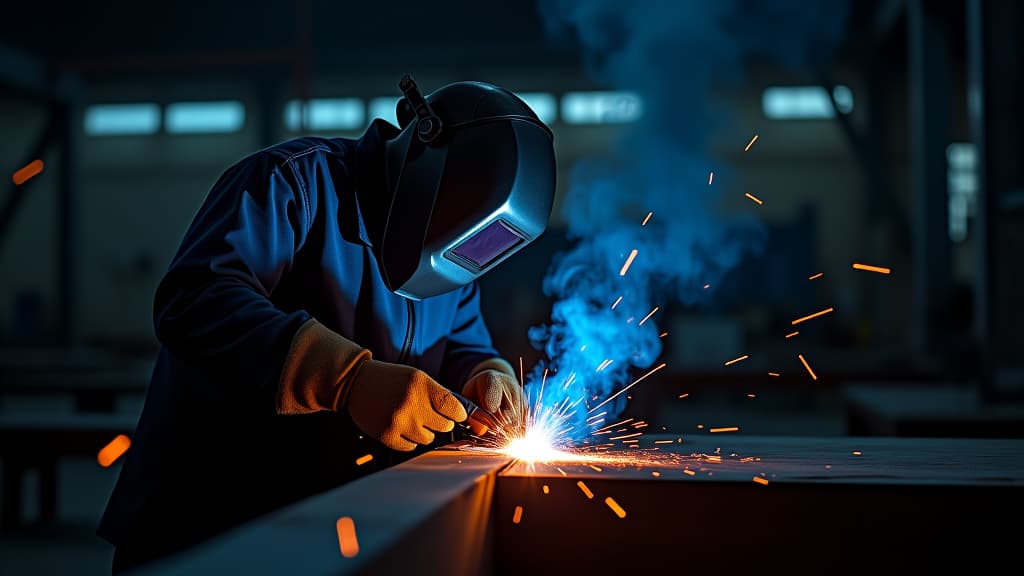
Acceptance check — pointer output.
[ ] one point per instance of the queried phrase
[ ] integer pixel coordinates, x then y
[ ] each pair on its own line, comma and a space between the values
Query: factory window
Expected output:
802, 102
204, 117
325, 114
601, 107
961, 187
122, 119
543, 105
384, 108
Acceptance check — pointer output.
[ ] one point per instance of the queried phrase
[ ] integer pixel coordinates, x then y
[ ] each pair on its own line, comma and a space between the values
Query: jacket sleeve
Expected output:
469, 341
213, 307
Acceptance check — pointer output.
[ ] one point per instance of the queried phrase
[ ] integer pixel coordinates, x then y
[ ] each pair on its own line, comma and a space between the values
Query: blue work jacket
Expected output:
280, 238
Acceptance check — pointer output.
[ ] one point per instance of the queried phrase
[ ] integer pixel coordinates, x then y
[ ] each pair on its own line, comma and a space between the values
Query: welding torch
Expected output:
478, 421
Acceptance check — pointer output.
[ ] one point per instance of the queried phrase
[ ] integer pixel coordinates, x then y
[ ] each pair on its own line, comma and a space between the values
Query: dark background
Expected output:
921, 174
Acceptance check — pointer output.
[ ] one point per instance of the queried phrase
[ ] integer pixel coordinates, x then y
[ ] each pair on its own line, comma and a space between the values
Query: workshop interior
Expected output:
766, 318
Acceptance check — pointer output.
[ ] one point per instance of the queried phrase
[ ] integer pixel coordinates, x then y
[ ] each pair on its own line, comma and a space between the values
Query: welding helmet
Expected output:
471, 178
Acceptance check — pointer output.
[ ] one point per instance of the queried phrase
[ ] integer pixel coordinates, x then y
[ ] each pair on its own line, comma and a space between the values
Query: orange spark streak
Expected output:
634, 383
112, 451
615, 507
664, 441
706, 286
518, 515
735, 360
364, 459
649, 314
751, 395
689, 472
663, 334
808, 366
633, 435
684, 395
760, 480
776, 374
616, 303
751, 143
711, 178
347, 537
754, 198
586, 491
629, 262
726, 429
655, 473
856, 452
562, 472
25, 173
793, 333
594, 468
812, 316
879, 269
647, 218
816, 276
545, 488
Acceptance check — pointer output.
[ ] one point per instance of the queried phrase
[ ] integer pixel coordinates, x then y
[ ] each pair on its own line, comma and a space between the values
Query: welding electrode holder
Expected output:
428, 124
478, 421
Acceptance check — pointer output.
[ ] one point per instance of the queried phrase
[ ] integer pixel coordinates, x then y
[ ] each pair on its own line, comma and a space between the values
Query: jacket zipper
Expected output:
410, 329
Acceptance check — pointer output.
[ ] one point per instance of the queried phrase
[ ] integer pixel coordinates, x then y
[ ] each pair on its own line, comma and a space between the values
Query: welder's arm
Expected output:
398, 405
212, 307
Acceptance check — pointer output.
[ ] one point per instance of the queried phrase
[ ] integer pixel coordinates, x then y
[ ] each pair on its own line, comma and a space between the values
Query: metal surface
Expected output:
900, 503
430, 515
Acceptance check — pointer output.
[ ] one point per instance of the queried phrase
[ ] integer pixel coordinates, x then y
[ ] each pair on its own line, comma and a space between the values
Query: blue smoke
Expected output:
672, 53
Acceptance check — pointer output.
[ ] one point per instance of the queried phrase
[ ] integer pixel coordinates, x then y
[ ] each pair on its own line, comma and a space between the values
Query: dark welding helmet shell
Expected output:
471, 183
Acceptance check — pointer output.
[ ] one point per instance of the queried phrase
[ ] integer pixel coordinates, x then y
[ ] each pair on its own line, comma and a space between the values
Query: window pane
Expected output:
601, 107
112, 119
205, 117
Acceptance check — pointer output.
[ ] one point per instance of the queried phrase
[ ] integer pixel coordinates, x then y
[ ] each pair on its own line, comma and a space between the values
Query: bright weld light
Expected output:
536, 446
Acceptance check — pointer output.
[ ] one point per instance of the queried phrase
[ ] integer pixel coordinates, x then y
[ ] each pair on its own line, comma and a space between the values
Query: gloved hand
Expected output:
398, 405
493, 386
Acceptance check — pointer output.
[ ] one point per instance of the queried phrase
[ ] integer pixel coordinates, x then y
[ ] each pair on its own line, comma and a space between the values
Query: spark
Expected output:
754, 198
751, 395
596, 416
751, 143
735, 360
684, 394
615, 507
647, 218
604, 365
518, 515
629, 262
664, 441
113, 450
364, 459
616, 303
663, 334
856, 452
655, 473
793, 333
634, 383
760, 480
868, 268
706, 286
711, 178
808, 366
633, 435
594, 468
545, 488
347, 537
726, 429
586, 491
816, 276
775, 374
562, 472
25, 173
689, 472
649, 314
812, 316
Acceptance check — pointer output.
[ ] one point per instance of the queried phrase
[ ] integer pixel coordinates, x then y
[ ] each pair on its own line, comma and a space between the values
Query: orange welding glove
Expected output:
398, 405
493, 386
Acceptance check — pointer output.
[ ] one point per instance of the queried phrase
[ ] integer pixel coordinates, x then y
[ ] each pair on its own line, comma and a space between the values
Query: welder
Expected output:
323, 306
